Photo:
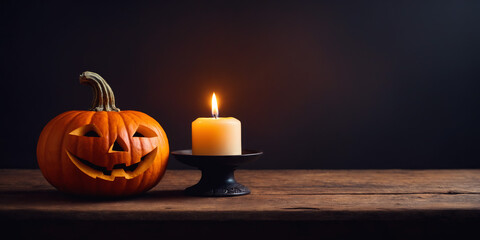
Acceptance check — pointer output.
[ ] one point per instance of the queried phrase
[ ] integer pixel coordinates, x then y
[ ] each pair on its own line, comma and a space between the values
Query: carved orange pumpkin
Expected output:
105, 151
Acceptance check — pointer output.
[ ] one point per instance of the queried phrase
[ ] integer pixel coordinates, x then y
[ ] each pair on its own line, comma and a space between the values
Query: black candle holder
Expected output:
218, 178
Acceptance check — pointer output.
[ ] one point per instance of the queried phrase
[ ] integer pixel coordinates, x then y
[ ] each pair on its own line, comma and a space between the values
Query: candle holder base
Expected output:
218, 178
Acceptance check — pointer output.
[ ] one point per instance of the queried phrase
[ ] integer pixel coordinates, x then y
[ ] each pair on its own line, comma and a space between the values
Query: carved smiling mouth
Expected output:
119, 170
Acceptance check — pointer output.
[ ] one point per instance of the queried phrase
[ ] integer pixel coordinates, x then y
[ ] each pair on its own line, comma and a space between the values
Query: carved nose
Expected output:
117, 147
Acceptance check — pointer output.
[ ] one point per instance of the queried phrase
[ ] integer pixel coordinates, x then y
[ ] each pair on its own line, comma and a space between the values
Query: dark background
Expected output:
367, 84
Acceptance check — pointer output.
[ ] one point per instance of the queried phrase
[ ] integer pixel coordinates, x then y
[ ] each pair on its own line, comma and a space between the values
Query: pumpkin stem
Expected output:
103, 98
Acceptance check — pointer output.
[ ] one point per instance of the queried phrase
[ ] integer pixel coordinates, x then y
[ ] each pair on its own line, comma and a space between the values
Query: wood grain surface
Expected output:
286, 195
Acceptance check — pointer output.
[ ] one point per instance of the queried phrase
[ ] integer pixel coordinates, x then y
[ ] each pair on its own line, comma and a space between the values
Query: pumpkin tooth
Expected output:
118, 173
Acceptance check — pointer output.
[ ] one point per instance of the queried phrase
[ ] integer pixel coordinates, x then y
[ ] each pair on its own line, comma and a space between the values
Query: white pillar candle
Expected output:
215, 135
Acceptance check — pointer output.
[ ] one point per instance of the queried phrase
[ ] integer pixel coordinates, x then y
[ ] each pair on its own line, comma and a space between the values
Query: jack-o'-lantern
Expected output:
104, 151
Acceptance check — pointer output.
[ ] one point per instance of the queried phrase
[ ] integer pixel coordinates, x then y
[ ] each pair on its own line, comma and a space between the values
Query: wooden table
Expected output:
284, 204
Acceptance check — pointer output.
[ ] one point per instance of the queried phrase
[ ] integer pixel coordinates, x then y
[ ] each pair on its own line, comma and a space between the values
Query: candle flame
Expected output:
214, 106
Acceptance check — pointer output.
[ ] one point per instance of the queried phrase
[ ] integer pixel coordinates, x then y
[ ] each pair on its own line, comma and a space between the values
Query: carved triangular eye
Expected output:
137, 134
91, 134
88, 131
143, 131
